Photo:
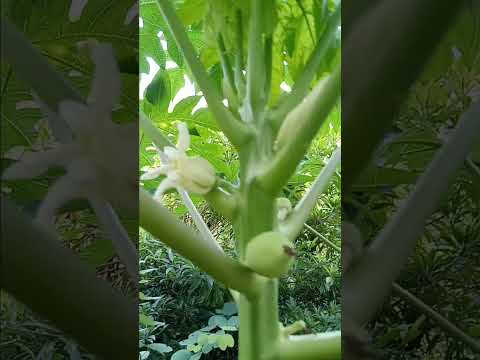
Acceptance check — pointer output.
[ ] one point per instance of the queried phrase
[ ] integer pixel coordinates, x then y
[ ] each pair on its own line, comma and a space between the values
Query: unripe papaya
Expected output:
270, 254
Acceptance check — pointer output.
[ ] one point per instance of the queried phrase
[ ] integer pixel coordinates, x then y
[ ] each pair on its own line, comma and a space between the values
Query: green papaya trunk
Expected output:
259, 318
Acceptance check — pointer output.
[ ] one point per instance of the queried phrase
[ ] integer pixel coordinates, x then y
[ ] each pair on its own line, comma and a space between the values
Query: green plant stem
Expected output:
297, 218
153, 133
259, 317
158, 221
368, 282
256, 215
236, 131
203, 229
268, 66
239, 65
302, 84
326, 346
294, 328
328, 242
197, 218
222, 202
256, 61
113, 228
5, 82
439, 319
225, 61
228, 186
65, 290
298, 131
474, 167
259, 321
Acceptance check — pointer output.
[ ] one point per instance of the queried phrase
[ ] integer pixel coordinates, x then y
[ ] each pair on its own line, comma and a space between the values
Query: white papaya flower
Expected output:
191, 174
101, 155
284, 208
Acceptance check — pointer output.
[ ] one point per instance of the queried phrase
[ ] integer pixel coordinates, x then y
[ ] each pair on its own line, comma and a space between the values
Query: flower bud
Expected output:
284, 208
196, 174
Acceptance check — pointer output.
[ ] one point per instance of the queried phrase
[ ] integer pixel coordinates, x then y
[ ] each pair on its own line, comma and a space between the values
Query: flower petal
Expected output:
153, 174
106, 86
64, 190
163, 156
164, 186
173, 175
171, 153
82, 170
78, 116
183, 141
76, 9
197, 175
33, 164
56, 124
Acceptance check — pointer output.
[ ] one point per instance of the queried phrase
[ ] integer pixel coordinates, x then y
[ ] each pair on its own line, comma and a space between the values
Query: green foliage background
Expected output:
443, 270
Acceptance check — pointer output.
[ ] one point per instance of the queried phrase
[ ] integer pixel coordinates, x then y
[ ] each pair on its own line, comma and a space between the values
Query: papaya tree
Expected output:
238, 54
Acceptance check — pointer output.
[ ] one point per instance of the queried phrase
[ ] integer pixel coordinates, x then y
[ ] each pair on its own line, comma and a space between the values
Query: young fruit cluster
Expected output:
270, 254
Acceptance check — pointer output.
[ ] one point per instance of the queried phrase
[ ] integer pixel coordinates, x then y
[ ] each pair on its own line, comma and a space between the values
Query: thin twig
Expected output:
225, 61
298, 131
442, 322
305, 206
239, 65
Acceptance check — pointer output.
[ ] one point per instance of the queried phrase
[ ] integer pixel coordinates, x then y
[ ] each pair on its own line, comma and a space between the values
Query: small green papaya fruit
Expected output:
270, 254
